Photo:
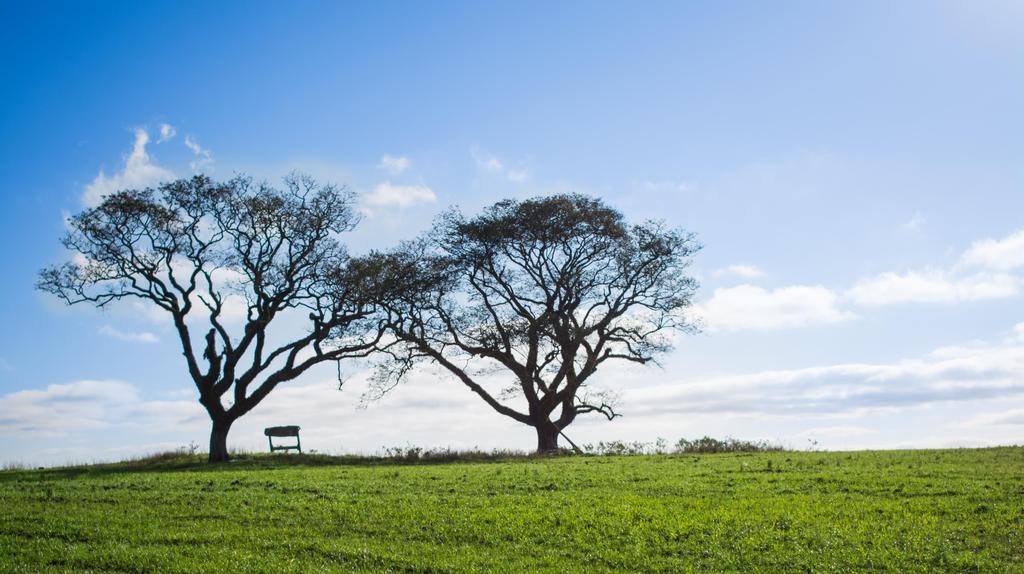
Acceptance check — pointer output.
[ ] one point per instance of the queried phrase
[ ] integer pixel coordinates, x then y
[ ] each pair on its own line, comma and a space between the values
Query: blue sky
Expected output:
854, 170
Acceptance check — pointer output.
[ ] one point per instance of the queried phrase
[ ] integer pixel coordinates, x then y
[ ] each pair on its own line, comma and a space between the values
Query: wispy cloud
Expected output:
915, 223
486, 161
167, 133
140, 337
387, 194
139, 171
517, 175
666, 186
741, 270
491, 163
203, 161
394, 165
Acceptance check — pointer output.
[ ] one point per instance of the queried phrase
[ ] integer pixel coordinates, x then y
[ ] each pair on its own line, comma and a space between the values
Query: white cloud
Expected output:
57, 409
974, 374
139, 171
668, 186
932, 285
140, 337
147, 310
394, 165
228, 282
998, 254
487, 162
492, 164
959, 283
956, 284
388, 194
839, 431
741, 270
426, 411
193, 146
167, 133
748, 307
203, 157
1012, 418
915, 223
518, 175
113, 419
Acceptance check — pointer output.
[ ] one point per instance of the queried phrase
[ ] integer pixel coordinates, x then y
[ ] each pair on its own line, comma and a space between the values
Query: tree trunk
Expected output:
547, 437
219, 440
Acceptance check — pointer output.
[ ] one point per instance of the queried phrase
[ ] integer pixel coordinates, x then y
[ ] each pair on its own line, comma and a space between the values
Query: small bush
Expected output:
660, 446
619, 448
178, 455
729, 444
446, 454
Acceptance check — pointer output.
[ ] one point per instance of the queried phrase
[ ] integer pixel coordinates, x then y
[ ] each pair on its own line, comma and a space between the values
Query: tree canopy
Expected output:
538, 294
225, 261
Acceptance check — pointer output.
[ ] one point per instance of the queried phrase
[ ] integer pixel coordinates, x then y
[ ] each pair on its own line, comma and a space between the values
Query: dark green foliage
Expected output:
909, 511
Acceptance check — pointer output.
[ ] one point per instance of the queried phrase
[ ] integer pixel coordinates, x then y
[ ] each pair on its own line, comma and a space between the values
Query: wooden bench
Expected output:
286, 431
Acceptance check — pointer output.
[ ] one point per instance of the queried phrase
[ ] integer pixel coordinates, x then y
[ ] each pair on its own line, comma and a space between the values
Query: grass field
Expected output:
905, 511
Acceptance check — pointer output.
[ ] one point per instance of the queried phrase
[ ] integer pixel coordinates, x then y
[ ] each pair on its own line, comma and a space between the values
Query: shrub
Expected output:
729, 444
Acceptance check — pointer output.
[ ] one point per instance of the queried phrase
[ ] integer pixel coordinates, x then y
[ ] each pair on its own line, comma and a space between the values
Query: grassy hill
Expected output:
905, 511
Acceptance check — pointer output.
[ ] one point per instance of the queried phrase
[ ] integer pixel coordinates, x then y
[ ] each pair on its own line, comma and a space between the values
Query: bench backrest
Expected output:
282, 431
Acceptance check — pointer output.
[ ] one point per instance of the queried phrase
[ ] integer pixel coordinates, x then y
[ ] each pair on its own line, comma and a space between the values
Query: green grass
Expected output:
905, 511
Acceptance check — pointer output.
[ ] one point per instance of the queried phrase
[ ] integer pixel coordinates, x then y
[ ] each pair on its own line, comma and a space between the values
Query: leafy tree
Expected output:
225, 261
542, 292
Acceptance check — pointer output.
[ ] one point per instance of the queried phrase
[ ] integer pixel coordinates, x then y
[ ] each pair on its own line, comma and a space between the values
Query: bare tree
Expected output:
542, 292
225, 261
